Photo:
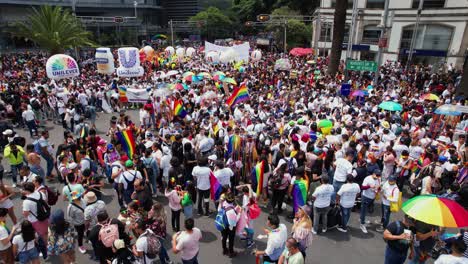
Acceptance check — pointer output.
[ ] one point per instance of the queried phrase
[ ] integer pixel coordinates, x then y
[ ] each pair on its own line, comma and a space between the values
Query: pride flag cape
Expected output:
239, 95
234, 143
299, 193
257, 177
123, 94
127, 141
216, 187
179, 109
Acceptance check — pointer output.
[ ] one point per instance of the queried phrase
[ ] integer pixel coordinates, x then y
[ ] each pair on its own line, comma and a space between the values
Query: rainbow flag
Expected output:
83, 132
234, 143
299, 193
179, 109
239, 95
257, 177
123, 94
216, 187
127, 141
215, 129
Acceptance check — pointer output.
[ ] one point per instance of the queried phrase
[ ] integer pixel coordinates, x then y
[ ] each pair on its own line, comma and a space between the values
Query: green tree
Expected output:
213, 23
54, 29
298, 33
247, 10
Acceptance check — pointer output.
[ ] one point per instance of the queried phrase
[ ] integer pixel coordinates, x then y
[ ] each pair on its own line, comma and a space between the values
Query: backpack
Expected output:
92, 165
108, 234
149, 166
37, 147
291, 168
52, 196
153, 245
43, 209
221, 221
35, 105
87, 112
129, 183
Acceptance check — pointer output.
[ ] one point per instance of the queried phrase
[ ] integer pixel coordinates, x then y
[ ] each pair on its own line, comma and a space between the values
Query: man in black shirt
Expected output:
142, 193
398, 241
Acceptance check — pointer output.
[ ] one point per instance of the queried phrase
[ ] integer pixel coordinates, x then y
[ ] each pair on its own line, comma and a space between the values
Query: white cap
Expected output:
72, 165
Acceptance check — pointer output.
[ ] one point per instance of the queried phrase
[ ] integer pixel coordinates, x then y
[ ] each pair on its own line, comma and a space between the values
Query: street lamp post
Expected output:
172, 33
382, 35
285, 35
135, 5
414, 35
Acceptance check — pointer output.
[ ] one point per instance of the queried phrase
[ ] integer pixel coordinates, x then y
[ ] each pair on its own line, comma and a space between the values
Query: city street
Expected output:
331, 247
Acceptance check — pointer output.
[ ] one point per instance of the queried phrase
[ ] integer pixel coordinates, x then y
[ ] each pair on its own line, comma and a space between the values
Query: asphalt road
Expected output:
331, 247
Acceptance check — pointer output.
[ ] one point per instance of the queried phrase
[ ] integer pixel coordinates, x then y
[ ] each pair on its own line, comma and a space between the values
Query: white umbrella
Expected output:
171, 73
162, 75
163, 92
210, 95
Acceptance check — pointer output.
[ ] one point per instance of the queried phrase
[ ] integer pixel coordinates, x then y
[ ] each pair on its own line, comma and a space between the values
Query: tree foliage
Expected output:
213, 22
298, 33
54, 29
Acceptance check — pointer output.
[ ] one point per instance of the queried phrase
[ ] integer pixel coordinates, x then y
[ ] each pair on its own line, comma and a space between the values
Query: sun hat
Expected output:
90, 197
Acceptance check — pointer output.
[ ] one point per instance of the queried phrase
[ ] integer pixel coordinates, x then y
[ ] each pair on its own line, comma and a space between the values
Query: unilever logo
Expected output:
128, 61
64, 66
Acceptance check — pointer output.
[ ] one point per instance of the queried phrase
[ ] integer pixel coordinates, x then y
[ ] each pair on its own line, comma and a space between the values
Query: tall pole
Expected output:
135, 4
349, 49
317, 32
382, 35
285, 36
172, 33
415, 32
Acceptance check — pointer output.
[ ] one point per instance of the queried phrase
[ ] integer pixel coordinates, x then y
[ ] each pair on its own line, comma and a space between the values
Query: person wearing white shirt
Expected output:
30, 119
201, 174
370, 187
346, 197
140, 249
276, 240
223, 174
390, 193
127, 179
322, 199
165, 163
343, 167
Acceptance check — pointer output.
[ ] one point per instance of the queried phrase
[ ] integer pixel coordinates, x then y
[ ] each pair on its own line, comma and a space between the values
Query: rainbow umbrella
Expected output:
390, 106
179, 86
325, 126
189, 73
447, 109
219, 76
359, 93
229, 80
430, 97
438, 211
192, 78
203, 75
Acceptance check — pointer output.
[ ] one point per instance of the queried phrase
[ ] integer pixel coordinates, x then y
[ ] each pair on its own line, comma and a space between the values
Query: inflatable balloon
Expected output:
180, 52
148, 50
61, 66
228, 55
256, 55
129, 60
212, 56
104, 61
142, 55
190, 52
169, 50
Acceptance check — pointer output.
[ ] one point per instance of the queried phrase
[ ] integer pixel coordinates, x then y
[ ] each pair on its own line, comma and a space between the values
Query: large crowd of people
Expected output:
315, 174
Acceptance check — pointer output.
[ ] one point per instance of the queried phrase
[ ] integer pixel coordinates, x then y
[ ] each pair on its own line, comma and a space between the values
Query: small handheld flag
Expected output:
239, 95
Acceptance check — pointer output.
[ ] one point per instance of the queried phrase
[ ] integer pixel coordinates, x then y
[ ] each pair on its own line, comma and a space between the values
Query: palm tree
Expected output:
339, 21
54, 29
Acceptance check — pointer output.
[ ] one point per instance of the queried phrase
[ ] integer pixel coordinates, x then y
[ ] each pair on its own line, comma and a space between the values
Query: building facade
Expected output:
442, 30
139, 18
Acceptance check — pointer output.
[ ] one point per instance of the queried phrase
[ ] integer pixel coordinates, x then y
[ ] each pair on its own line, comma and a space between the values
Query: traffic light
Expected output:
263, 18
248, 23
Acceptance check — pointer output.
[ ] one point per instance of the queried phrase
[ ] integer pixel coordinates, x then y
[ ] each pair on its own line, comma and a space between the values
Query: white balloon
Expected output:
212, 56
148, 50
61, 66
104, 61
180, 52
170, 50
256, 55
190, 52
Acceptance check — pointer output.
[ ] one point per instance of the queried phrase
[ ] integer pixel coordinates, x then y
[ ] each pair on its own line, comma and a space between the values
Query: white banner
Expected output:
241, 51
137, 95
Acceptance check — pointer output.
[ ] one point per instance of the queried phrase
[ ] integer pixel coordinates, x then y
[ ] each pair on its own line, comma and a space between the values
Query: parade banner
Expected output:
104, 61
61, 66
133, 95
129, 60
241, 51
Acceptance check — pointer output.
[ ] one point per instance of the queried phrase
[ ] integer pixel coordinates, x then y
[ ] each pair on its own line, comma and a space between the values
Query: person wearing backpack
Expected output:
230, 219
127, 180
399, 239
37, 211
75, 214
103, 235
62, 238
147, 246
152, 170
